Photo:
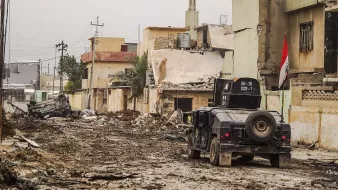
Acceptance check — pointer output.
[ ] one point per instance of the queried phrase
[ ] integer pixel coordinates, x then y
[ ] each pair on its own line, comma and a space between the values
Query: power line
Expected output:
83, 35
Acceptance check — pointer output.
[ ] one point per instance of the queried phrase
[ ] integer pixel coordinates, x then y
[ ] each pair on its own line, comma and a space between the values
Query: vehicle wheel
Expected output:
214, 152
192, 153
247, 158
261, 126
280, 161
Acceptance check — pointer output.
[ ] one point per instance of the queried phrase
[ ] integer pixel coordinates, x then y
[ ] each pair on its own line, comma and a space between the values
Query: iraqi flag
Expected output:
284, 66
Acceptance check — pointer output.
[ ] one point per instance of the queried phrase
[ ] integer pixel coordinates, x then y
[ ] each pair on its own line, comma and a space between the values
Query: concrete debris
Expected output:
206, 83
176, 117
87, 112
30, 142
91, 118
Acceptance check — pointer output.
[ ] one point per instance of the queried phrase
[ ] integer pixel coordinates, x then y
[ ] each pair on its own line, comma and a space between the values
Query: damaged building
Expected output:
183, 80
312, 34
311, 29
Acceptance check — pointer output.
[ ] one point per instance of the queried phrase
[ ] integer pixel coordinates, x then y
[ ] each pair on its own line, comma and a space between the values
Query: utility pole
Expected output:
54, 81
90, 94
39, 75
63, 48
2, 61
54, 70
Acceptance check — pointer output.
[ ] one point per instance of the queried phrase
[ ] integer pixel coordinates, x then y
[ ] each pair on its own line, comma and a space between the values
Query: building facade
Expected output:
112, 55
311, 30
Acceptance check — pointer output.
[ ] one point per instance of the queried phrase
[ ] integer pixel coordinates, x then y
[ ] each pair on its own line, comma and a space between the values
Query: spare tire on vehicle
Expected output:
261, 126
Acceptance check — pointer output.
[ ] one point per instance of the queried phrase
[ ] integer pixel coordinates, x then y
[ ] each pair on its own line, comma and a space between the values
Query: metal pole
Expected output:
2, 62
90, 96
61, 69
54, 70
39, 75
91, 74
282, 114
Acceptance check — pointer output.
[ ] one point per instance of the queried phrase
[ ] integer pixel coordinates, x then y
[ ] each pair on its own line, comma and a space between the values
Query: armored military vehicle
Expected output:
235, 126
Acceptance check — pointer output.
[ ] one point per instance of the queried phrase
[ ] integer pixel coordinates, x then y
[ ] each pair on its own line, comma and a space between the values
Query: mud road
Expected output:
111, 154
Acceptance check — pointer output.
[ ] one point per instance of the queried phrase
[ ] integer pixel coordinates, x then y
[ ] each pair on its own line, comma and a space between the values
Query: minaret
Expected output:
192, 19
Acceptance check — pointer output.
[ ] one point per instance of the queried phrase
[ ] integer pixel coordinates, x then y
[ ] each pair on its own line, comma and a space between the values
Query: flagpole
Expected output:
282, 114
284, 72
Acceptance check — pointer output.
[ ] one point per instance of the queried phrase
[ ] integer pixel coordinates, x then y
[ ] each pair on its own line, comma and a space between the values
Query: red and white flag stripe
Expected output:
284, 66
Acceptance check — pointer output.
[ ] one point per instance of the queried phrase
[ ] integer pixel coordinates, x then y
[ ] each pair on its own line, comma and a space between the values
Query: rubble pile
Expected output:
148, 123
127, 115
10, 179
8, 129
206, 83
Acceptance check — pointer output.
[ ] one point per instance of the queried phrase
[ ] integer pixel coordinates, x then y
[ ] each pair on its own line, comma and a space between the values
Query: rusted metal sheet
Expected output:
122, 57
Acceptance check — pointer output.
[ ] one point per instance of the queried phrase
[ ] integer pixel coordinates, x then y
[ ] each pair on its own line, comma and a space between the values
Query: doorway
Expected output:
185, 104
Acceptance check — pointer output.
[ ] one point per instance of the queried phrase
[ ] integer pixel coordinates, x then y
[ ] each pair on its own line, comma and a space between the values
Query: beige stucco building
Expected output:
111, 56
156, 38
258, 39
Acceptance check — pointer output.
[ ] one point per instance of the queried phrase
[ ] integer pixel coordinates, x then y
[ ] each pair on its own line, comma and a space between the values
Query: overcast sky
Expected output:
37, 25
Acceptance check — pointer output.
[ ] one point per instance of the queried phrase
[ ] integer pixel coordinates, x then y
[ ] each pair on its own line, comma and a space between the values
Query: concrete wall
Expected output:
245, 54
23, 73
154, 101
77, 100
177, 66
310, 124
307, 61
99, 104
228, 66
273, 24
160, 35
272, 100
116, 100
102, 70
246, 39
109, 44
200, 37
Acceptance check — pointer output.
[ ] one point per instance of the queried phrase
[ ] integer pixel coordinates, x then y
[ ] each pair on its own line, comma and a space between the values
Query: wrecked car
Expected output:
235, 127
59, 107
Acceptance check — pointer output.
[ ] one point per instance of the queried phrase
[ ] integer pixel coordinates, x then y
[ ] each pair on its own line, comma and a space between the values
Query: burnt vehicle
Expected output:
234, 126
59, 107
